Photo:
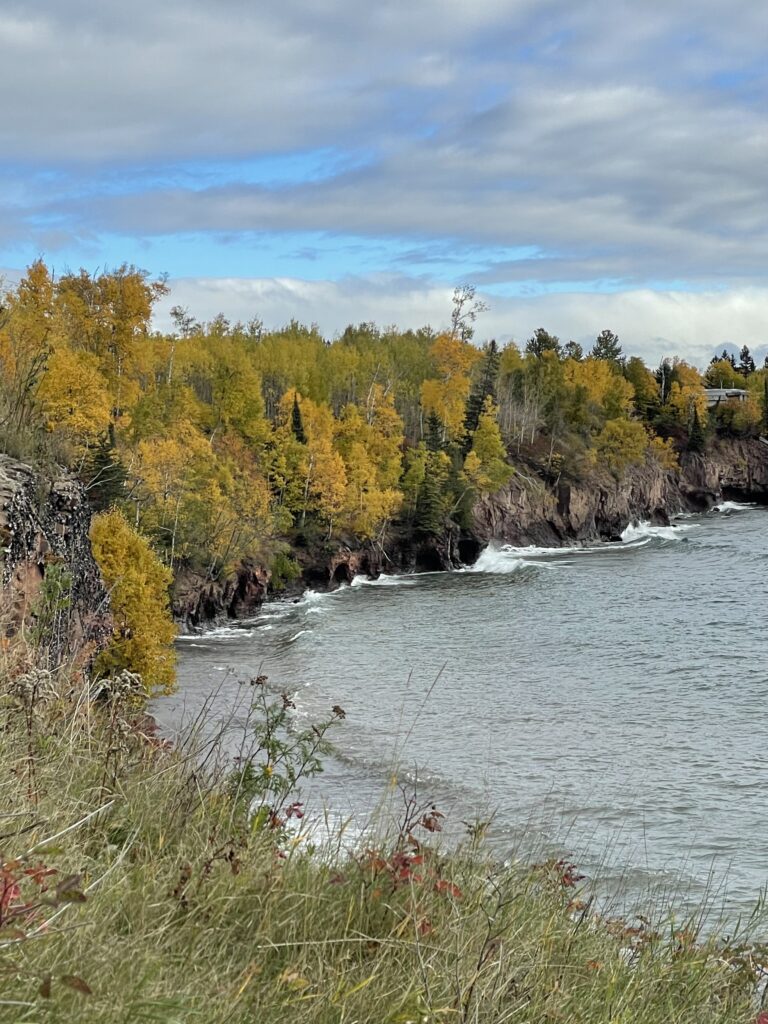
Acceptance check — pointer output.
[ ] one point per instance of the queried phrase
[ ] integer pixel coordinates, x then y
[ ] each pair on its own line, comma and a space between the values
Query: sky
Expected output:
584, 165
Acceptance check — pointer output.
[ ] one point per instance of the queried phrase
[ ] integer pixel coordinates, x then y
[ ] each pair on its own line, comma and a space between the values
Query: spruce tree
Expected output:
431, 504
433, 436
297, 424
484, 388
103, 474
696, 439
746, 362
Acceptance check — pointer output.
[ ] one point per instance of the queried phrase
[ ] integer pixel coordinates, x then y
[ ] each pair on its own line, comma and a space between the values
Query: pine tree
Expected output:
541, 342
104, 475
607, 347
433, 436
297, 424
484, 388
696, 439
746, 362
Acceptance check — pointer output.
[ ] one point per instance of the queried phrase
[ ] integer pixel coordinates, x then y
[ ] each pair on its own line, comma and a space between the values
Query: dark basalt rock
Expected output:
45, 523
527, 511
530, 510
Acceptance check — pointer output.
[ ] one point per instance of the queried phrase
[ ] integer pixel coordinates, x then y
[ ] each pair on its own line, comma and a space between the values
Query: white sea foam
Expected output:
498, 560
734, 506
296, 636
383, 581
219, 633
641, 533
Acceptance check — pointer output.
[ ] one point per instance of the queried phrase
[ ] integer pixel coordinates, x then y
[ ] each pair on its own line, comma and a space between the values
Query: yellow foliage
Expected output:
486, 464
138, 584
446, 395
684, 398
73, 396
663, 451
620, 444
602, 384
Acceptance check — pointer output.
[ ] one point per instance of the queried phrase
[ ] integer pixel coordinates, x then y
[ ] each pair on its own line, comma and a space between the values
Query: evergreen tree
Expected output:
746, 362
573, 350
541, 342
104, 475
696, 439
432, 502
484, 388
433, 435
729, 357
297, 424
607, 347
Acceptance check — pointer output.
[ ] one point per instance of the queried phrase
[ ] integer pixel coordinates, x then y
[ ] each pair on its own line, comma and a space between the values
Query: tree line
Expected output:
220, 440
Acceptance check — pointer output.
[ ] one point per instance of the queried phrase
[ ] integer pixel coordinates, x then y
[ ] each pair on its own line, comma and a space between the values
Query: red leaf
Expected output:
73, 982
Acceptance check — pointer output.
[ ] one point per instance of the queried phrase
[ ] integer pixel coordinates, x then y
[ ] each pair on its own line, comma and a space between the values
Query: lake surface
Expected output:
609, 703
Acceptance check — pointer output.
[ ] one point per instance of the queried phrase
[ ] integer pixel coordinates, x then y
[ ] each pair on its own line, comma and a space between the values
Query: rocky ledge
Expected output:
527, 511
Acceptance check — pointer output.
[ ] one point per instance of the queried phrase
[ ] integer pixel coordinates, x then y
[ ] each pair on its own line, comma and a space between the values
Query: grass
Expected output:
142, 883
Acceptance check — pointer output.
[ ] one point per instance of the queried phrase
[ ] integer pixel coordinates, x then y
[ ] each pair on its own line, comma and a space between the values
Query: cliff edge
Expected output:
51, 583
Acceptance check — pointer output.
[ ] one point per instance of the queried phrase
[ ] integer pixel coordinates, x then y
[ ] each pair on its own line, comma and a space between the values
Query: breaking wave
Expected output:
641, 533
383, 581
734, 506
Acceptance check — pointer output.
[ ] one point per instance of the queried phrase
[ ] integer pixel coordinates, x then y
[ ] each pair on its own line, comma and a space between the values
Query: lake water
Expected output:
609, 703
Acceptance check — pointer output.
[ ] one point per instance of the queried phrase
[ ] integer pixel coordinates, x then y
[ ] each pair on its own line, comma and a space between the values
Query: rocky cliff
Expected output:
528, 511
44, 537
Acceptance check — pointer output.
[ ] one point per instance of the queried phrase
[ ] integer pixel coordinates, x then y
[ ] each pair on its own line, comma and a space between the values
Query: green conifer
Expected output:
696, 438
297, 424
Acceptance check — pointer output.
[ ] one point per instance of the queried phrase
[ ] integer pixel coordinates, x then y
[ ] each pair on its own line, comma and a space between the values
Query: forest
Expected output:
221, 441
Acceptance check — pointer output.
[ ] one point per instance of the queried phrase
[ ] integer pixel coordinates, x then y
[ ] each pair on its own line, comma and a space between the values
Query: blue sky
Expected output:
584, 165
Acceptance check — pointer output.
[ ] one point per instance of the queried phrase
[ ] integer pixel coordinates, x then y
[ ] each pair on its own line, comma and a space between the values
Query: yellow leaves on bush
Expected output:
663, 452
686, 394
620, 444
138, 584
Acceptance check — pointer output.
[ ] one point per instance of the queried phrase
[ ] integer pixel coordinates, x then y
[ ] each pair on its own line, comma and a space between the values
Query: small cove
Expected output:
606, 702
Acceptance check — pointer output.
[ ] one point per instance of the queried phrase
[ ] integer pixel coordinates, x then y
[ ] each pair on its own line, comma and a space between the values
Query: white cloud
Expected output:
598, 134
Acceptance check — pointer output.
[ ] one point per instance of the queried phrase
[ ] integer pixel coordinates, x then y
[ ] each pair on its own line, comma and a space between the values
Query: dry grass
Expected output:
169, 899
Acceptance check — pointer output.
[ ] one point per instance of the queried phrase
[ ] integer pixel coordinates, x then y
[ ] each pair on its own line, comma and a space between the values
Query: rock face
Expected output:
198, 600
529, 512
44, 534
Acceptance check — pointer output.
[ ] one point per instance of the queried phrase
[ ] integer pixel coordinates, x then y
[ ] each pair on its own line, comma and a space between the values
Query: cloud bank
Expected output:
697, 324
614, 154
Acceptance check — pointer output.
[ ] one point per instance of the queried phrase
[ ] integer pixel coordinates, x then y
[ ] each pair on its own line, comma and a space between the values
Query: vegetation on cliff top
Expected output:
139, 882
222, 441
